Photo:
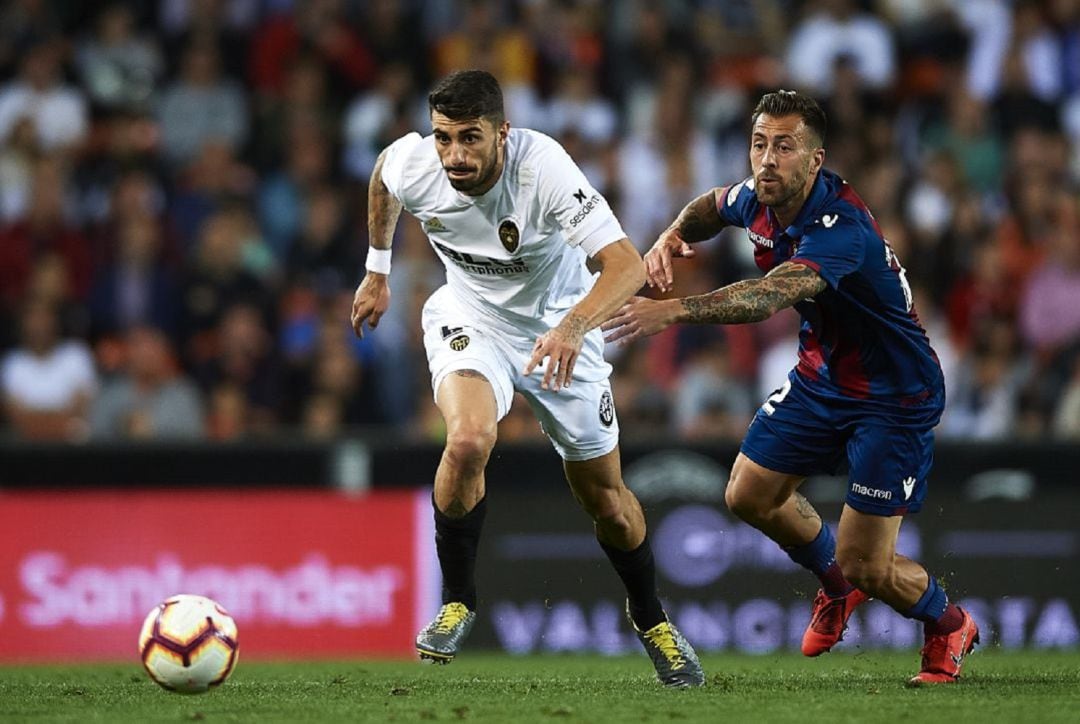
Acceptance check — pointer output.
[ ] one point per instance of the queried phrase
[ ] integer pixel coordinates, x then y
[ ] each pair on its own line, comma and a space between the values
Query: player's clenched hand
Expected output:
561, 346
640, 317
370, 302
658, 271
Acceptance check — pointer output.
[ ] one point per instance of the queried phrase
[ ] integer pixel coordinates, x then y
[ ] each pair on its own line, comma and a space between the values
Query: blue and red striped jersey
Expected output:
861, 338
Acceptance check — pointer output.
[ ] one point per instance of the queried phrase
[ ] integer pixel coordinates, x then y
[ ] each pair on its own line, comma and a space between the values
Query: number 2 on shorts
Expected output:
776, 398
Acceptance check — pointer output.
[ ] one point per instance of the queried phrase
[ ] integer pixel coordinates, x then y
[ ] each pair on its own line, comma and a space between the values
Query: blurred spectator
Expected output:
58, 111
989, 25
225, 24
484, 39
984, 401
229, 416
215, 280
1066, 421
1022, 235
123, 194
1018, 106
119, 67
46, 229
213, 181
967, 135
149, 399
48, 382
23, 23
670, 163
243, 363
642, 37
338, 370
283, 192
322, 417
137, 287
303, 102
1035, 40
577, 107
638, 397
391, 29
377, 118
201, 106
319, 26
1050, 305
836, 30
325, 255
17, 158
710, 403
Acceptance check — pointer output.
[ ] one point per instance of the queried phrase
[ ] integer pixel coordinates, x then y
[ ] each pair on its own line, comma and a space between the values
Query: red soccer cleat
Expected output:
943, 654
828, 621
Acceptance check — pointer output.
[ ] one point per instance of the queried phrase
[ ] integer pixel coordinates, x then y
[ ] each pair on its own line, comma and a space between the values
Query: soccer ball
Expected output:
188, 644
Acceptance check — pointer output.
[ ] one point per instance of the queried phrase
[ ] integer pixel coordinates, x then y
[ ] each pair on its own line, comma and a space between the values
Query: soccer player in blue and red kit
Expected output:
867, 389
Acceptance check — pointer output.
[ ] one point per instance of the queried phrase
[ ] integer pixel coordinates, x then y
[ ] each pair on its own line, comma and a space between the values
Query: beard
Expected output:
482, 177
781, 193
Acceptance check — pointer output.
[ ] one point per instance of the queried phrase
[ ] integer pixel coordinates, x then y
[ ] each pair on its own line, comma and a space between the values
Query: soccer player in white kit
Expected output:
515, 222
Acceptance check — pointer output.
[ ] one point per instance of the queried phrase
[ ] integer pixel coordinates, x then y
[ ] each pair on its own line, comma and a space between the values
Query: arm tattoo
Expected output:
699, 220
804, 509
753, 300
383, 209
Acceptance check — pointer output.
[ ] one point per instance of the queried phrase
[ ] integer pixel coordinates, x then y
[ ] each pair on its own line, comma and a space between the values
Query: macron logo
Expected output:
909, 485
860, 489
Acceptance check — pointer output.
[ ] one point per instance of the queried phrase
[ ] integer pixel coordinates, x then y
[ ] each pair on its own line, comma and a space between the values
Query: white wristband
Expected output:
378, 260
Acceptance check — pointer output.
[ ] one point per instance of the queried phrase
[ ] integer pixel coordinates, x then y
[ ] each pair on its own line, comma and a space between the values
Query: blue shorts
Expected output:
799, 433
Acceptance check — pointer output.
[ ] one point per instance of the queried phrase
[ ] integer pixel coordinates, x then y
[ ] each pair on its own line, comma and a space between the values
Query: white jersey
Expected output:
515, 256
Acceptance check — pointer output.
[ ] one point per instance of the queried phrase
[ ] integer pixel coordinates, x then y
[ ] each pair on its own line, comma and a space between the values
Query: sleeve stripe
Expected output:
806, 262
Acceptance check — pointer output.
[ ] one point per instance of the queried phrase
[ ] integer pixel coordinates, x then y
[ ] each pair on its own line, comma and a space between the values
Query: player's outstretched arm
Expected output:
621, 274
372, 297
698, 221
750, 300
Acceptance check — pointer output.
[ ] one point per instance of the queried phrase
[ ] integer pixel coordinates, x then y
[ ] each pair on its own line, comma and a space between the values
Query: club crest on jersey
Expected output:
459, 342
433, 224
509, 235
607, 409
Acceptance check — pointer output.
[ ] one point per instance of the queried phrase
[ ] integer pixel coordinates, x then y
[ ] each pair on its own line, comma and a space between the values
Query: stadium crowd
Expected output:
183, 191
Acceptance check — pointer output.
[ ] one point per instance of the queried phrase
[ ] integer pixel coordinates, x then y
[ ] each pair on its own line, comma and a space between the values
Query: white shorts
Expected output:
579, 420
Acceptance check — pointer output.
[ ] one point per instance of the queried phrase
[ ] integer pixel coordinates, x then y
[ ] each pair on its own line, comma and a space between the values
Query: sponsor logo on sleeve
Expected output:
829, 220
579, 196
587, 208
733, 193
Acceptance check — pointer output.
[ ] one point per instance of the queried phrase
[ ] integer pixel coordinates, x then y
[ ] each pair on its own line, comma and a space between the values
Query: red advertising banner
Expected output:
305, 574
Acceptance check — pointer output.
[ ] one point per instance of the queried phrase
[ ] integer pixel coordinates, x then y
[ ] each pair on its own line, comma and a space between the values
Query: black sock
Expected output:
637, 570
456, 540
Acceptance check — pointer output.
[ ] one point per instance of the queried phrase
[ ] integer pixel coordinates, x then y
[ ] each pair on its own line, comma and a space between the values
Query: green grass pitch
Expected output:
862, 687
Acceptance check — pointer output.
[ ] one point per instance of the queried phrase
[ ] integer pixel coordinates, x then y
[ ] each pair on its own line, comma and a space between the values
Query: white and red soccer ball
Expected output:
188, 644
